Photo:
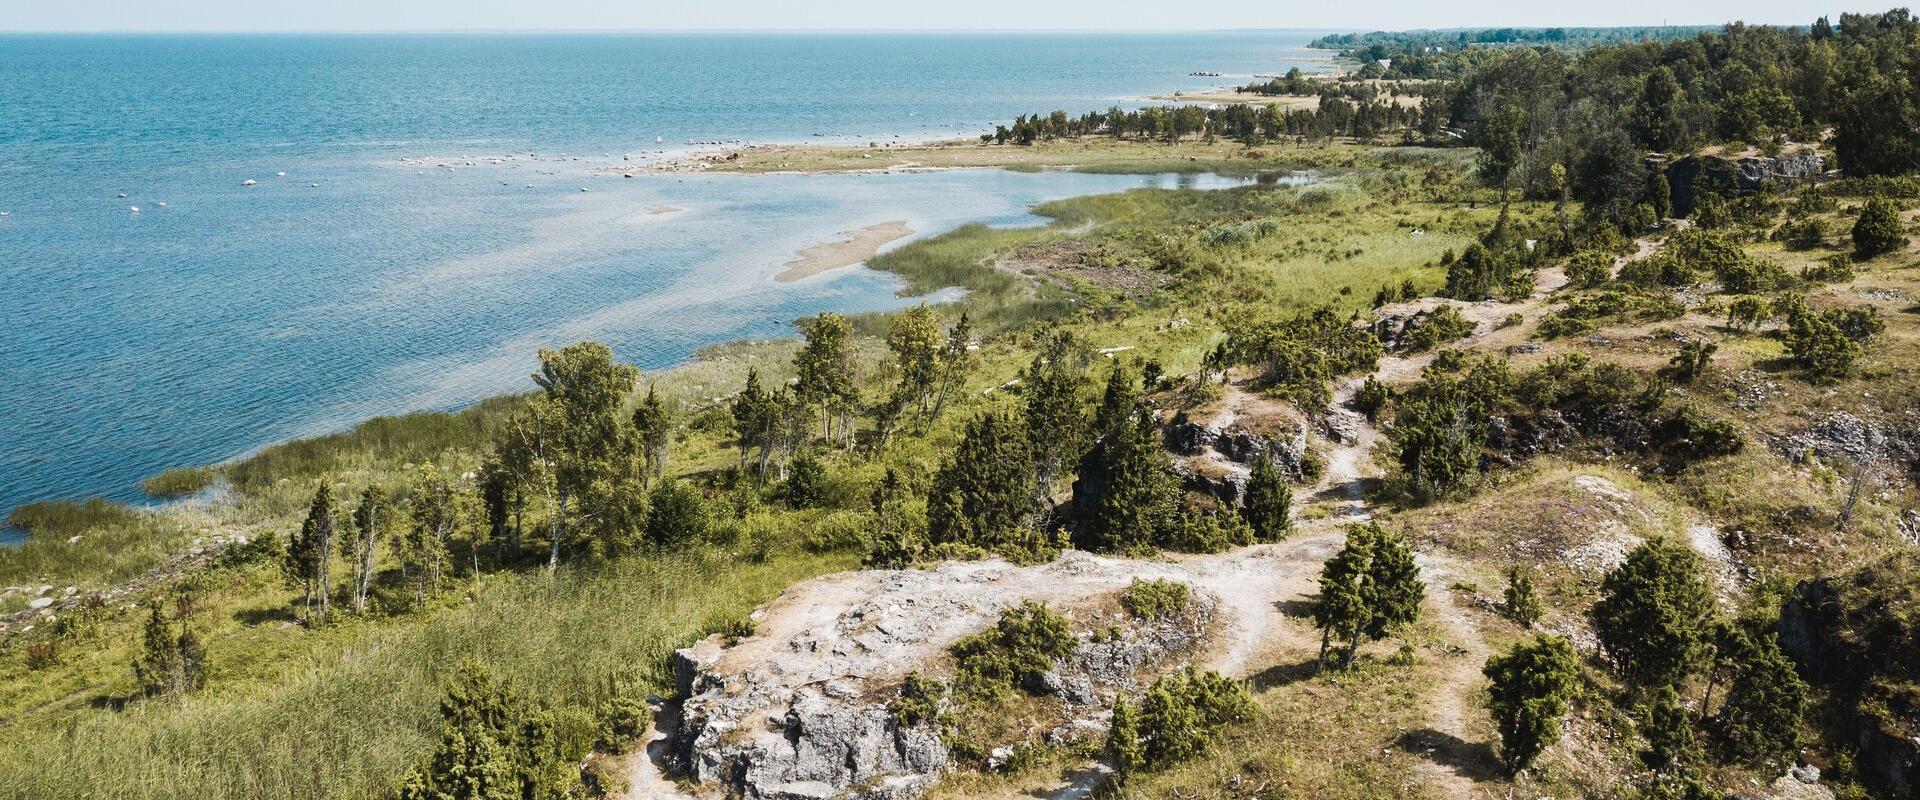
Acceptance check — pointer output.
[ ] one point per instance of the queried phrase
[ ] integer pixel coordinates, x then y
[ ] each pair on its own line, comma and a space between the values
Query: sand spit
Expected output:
859, 245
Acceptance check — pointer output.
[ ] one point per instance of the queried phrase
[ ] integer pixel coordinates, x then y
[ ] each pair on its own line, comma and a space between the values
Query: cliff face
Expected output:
1689, 175
1859, 635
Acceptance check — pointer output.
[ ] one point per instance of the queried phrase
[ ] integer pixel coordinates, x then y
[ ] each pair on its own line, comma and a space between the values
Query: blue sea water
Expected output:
367, 281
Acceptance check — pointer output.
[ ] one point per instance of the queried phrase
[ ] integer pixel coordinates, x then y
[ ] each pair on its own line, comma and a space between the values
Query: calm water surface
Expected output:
363, 283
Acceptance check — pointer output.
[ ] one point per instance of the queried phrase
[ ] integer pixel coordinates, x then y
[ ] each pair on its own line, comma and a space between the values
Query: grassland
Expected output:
343, 710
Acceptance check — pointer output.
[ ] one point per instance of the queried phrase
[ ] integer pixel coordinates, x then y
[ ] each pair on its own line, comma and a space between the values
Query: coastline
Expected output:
858, 245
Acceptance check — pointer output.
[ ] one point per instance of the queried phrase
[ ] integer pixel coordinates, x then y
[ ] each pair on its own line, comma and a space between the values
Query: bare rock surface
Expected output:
799, 710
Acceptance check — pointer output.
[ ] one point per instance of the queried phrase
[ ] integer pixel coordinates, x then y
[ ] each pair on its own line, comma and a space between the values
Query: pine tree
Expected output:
159, 669
1125, 753
493, 746
1653, 615
1135, 506
754, 418
1532, 685
1340, 611
308, 561
1117, 402
1269, 502
1759, 723
1393, 586
1056, 417
982, 495
1521, 604
654, 429
1437, 440
806, 481
434, 516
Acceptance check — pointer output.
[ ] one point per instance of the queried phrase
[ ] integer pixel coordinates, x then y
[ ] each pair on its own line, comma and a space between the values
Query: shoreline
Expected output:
856, 246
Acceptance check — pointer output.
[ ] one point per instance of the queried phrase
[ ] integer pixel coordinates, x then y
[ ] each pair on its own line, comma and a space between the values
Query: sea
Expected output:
424, 211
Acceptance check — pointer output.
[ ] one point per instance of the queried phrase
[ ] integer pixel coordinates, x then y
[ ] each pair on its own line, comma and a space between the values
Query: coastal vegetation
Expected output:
1667, 433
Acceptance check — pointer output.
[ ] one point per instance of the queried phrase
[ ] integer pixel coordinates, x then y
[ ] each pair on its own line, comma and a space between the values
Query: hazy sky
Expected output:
281, 15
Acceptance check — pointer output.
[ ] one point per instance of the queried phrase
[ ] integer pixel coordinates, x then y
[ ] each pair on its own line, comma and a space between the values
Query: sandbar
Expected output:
859, 245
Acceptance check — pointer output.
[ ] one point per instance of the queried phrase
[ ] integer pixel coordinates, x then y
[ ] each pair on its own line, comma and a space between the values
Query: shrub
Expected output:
1806, 233
1820, 347
1878, 230
677, 514
1181, 715
1521, 604
1748, 312
918, 701
1371, 397
1016, 651
1441, 325
1590, 268
1156, 599
806, 481
1200, 532
1837, 268
1532, 686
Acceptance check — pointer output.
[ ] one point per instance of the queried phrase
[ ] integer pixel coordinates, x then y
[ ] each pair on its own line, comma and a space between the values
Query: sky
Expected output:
417, 15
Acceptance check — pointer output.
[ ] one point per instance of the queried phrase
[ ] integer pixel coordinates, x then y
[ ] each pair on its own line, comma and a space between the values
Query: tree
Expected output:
370, 520
170, 664
1269, 502
1132, 488
756, 422
1117, 402
914, 337
654, 427
1437, 440
1820, 347
580, 446
493, 746
1692, 359
1502, 148
677, 514
309, 558
1532, 685
1879, 229
436, 513
1759, 723
1393, 585
1653, 615
1521, 604
1056, 420
957, 361
1657, 119
806, 481
1340, 610
983, 494
825, 367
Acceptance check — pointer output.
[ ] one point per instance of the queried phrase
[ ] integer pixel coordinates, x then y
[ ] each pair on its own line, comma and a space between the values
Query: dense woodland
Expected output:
895, 441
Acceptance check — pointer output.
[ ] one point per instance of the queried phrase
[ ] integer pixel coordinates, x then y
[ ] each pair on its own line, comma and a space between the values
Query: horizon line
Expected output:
632, 31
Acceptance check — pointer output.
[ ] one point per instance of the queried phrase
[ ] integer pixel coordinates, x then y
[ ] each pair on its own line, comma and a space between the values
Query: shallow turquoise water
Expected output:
360, 284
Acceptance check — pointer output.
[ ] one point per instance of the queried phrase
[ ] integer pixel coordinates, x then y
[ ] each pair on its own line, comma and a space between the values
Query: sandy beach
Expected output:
859, 245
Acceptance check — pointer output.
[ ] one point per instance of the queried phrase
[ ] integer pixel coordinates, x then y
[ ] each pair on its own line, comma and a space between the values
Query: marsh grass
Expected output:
87, 543
350, 718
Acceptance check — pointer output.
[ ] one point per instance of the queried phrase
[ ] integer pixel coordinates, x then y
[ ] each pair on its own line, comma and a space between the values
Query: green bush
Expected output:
1441, 325
1878, 230
1180, 716
1016, 651
1156, 599
918, 701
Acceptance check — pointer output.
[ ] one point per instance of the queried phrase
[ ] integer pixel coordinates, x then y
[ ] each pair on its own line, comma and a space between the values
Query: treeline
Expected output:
1334, 116
1387, 43
1297, 84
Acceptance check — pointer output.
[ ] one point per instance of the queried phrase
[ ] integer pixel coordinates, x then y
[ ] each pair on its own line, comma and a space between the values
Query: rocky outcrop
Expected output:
1689, 175
1855, 635
1286, 451
800, 709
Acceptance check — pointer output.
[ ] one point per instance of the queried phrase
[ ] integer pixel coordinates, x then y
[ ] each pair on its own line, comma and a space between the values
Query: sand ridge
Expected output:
857, 246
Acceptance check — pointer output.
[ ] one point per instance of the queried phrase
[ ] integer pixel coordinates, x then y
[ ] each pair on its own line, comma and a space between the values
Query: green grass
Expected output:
348, 715
89, 544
